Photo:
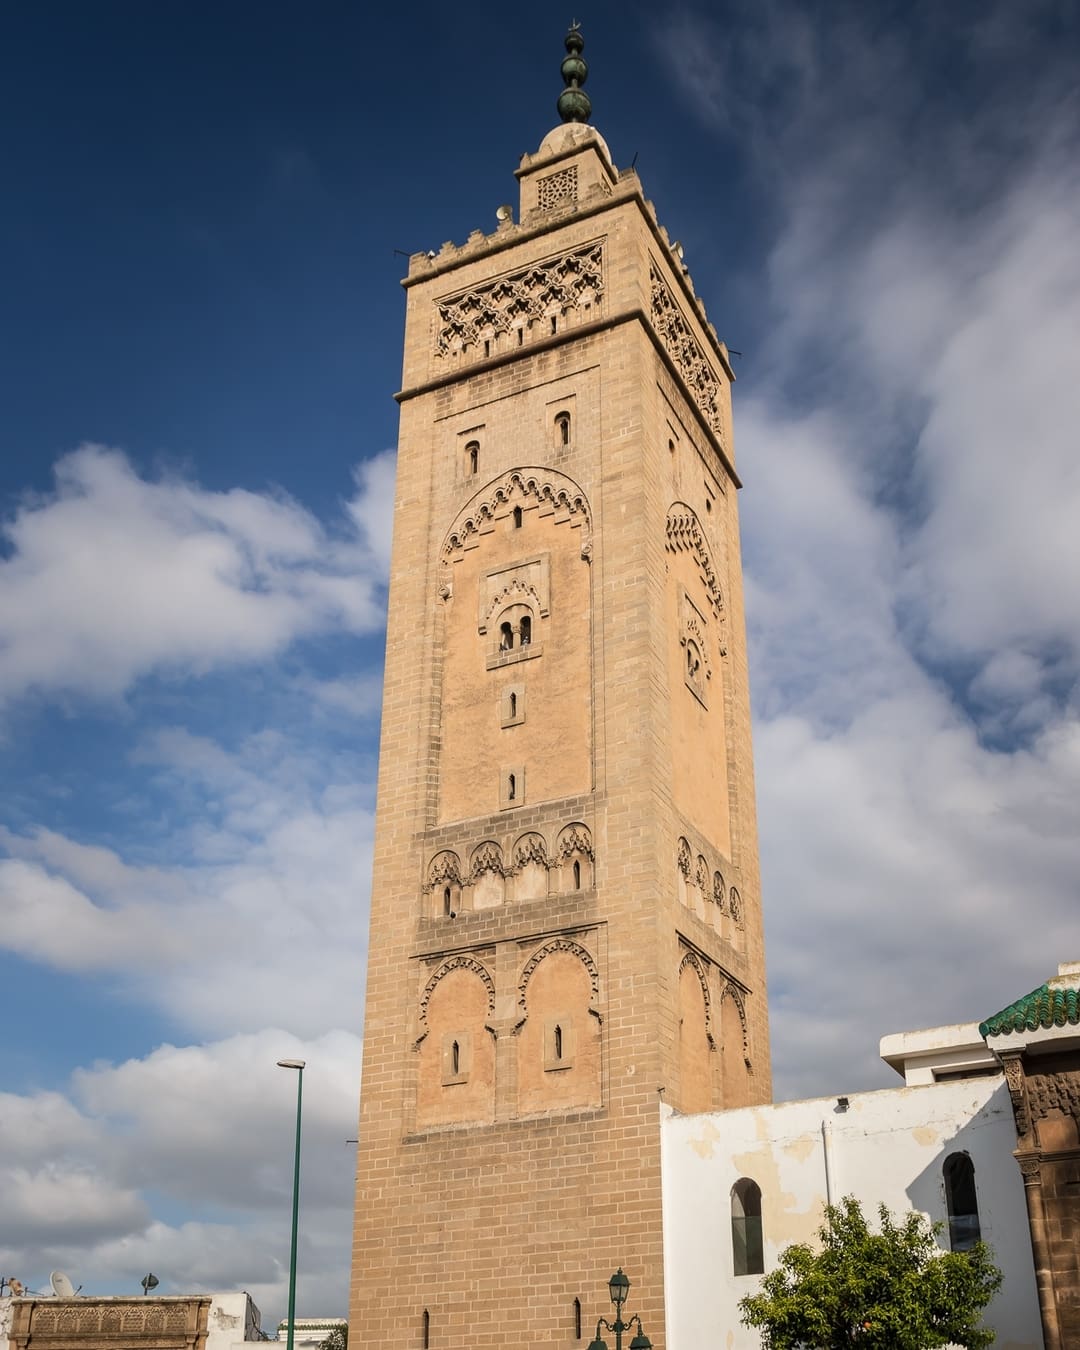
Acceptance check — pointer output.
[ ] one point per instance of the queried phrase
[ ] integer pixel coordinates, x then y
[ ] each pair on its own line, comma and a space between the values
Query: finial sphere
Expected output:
574, 104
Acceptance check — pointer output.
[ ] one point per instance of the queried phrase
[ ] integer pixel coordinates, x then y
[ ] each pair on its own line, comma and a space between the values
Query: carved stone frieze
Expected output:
530, 848
545, 290
1056, 1091
445, 867
686, 353
486, 858
683, 858
576, 839
735, 906
1014, 1081
719, 894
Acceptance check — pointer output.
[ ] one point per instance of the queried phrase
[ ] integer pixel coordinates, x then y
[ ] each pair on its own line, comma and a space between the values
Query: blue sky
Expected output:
205, 211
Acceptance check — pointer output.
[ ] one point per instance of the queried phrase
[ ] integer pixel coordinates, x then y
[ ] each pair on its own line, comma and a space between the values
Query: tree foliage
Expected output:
338, 1339
891, 1290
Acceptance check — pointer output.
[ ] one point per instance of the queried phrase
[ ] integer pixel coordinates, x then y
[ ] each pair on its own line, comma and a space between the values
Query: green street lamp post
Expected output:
618, 1288
298, 1065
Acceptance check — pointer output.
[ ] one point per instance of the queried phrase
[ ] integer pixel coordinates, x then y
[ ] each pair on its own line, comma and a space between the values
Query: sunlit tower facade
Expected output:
565, 917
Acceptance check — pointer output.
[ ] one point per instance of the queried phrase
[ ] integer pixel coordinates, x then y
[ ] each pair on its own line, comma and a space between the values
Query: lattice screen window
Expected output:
557, 188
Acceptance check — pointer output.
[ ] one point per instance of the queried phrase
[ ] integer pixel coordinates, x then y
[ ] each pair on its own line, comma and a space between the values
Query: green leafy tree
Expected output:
892, 1290
338, 1339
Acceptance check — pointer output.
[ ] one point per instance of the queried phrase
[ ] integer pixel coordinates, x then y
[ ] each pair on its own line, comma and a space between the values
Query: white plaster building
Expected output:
890, 1147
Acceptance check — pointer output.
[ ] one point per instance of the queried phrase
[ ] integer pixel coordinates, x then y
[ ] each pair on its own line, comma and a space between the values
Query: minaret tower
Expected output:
565, 915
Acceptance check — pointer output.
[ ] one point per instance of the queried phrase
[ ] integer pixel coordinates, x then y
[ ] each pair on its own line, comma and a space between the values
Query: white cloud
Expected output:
909, 451
207, 1132
271, 878
113, 576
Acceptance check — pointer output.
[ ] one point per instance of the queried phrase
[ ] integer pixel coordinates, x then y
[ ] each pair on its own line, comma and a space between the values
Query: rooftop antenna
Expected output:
149, 1281
61, 1285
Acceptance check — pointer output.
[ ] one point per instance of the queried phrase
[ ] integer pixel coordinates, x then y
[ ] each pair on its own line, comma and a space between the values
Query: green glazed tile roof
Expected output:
1043, 1007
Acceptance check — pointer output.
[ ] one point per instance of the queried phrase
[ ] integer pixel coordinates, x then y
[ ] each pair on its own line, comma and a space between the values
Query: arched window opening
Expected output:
425, 1329
577, 875
961, 1202
746, 1240
554, 324
447, 902
526, 630
472, 456
562, 428
558, 1042
455, 1058
506, 637
517, 517
577, 1319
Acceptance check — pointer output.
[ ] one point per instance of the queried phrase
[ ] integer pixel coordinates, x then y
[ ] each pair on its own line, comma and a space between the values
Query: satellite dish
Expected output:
61, 1285
149, 1281
504, 213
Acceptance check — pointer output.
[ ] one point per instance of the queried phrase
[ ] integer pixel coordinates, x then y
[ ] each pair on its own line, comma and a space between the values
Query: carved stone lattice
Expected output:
683, 858
557, 945
687, 353
571, 281
557, 188
551, 491
684, 535
455, 963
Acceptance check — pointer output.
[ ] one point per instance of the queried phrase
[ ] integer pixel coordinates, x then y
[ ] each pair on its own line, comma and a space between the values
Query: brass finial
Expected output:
574, 104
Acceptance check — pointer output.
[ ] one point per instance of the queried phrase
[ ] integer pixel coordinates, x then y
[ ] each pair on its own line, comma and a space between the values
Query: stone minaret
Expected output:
566, 913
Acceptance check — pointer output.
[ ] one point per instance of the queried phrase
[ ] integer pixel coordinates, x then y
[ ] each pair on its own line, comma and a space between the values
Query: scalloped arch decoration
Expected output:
546, 487
455, 963
684, 534
690, 959
733, 992
560, 944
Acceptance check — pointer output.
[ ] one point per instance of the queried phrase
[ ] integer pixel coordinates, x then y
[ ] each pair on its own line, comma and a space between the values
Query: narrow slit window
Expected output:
487, 346
446, 902
511, 788
554, 324
557, 1046
562, 428
961, 1202
455, 1059
577, 1319
518, 517
521, 337
526, 631
577, 875
513, 704
748, 1255
425, 1330
472, 456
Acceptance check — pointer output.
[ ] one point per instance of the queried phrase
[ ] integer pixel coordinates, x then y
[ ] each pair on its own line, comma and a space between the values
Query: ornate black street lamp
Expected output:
618, 1288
